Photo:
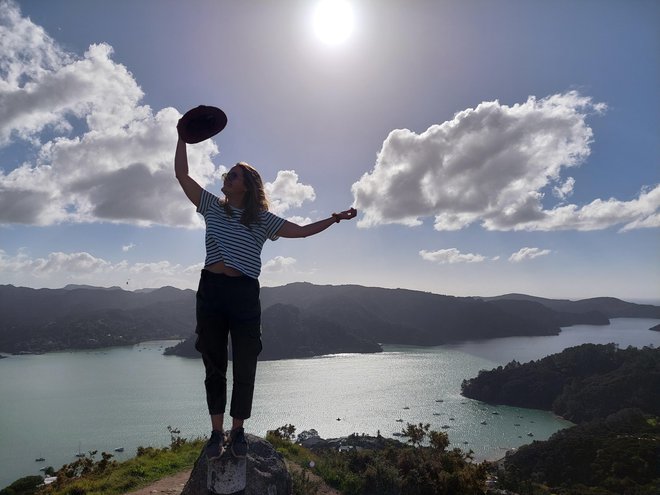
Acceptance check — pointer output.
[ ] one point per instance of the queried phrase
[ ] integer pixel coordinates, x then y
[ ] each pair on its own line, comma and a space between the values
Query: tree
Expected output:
415, 433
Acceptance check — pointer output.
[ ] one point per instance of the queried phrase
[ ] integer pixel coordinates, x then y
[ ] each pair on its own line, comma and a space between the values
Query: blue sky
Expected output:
489, 146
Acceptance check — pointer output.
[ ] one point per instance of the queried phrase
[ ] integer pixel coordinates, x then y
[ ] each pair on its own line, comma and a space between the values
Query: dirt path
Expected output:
172, 485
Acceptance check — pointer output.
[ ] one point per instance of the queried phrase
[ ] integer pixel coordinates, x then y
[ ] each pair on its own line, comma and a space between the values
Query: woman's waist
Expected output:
220, 268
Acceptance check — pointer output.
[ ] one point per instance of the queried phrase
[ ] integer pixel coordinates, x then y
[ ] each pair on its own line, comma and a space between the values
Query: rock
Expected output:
266, 472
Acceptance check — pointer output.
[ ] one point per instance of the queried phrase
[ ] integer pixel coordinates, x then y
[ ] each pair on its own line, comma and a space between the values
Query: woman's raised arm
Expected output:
188, 184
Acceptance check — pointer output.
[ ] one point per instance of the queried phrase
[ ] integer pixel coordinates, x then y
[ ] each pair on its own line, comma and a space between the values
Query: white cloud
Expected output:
528, 253
278, 264
652, 221
299, 220
74, 263
118, 167
493, 164
127, 247
451, 256
286, 192
564, 190
58, 269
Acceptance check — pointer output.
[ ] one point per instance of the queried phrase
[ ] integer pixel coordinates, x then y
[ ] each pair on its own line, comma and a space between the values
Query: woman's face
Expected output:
234, 181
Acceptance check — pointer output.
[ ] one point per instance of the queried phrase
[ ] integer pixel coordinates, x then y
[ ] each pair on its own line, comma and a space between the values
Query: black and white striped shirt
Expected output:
228, 240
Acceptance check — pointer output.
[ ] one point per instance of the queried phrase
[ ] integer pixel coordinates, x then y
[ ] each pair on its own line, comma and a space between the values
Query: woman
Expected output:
228, 293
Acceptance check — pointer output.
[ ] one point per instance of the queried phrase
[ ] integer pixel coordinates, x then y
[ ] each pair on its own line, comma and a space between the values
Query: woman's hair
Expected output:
255, 197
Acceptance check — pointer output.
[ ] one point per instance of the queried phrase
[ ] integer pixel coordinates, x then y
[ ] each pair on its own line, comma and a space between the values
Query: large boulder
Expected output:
266, 473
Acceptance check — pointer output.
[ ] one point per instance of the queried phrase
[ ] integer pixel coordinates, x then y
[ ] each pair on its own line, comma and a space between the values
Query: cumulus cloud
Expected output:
58, 269
278, 264
299, 220
494, 164
108, 157
127, 247
451, 256
564, 190
286, 192
528, 253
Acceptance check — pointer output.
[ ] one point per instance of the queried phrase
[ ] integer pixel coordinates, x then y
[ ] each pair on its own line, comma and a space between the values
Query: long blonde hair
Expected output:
255, 200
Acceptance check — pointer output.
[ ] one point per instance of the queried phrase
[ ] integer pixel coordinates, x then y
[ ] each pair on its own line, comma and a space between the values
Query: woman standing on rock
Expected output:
228, 294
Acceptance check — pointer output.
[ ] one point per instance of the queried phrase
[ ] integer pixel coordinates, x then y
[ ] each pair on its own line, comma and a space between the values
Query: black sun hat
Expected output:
201, 123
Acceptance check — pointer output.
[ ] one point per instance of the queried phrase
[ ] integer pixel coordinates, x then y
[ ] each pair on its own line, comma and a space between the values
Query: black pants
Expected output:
229, 305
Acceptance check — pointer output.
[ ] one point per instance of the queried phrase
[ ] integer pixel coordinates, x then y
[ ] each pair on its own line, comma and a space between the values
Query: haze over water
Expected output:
56, 403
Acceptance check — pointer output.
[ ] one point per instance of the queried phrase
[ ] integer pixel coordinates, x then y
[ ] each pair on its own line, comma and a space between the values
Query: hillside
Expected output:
610, 456
613, 396
581, 383
299, 320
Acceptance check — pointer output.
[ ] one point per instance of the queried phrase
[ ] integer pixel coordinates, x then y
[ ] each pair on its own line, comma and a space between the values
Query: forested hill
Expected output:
299, 319
581, 383
613, 396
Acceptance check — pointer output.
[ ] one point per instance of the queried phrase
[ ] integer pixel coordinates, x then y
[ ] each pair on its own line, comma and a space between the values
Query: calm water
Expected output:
53, 404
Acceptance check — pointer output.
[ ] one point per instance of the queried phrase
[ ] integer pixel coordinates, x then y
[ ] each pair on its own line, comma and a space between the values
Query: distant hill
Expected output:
41, 320
608, 306
299, 319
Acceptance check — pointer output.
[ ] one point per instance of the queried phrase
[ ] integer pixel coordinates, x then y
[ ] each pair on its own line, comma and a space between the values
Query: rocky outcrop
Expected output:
266, 472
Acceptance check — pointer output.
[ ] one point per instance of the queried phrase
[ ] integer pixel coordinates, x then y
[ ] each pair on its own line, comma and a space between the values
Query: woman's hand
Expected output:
345, 215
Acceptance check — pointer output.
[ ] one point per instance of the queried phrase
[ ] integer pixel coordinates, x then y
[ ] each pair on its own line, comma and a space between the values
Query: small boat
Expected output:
484, 423
495, 412
436, 414
406, 407
39, 459
119, 449
439, 400
516, 424
530, 434
397, 434
445, 427
399, 420
79, 455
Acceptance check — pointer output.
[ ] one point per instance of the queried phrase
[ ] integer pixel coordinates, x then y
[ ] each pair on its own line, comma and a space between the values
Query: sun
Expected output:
333, 21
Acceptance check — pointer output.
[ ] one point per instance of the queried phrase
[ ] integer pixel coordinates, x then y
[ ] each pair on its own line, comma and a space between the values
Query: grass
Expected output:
106, 477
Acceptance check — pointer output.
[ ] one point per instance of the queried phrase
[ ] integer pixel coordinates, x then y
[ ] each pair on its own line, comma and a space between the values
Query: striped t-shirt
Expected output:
228, 240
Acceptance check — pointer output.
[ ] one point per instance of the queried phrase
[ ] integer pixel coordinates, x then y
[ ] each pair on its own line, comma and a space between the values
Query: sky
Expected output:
489, 146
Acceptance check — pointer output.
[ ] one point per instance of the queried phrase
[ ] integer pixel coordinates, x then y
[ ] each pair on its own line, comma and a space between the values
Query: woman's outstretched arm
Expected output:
188, 184
292, 230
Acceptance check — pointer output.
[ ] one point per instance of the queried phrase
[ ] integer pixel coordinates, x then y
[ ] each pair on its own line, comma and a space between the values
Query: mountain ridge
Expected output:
299, 319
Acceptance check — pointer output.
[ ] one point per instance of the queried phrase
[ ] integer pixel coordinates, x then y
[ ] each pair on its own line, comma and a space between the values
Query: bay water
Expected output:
55, 405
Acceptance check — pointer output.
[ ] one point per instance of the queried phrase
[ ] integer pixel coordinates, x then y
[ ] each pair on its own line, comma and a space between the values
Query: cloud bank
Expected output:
100, 155
495, 164
107, 157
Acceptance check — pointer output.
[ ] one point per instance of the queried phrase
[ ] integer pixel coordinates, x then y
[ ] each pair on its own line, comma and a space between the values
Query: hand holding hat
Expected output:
201, 123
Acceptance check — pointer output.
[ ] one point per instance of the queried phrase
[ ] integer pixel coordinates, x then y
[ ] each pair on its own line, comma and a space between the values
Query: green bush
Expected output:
23, 486
405, 470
